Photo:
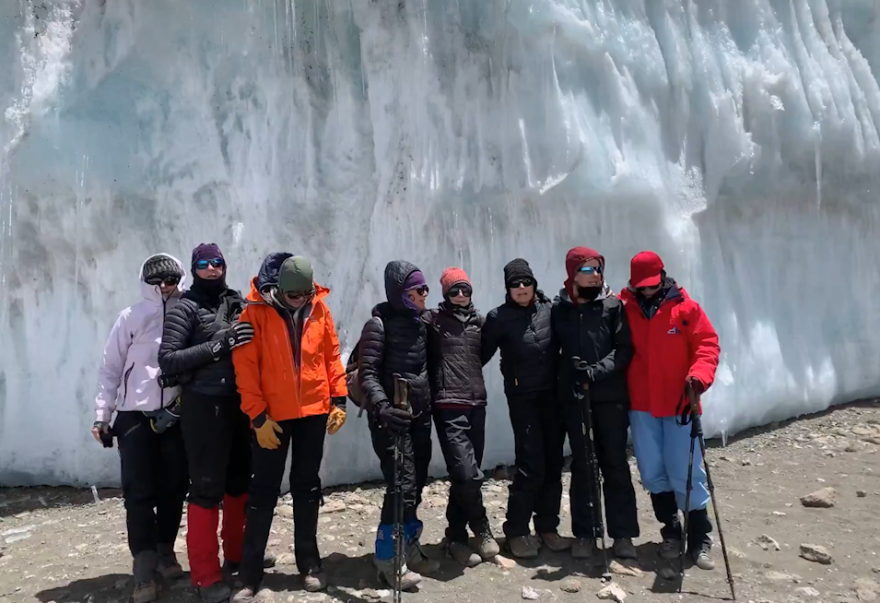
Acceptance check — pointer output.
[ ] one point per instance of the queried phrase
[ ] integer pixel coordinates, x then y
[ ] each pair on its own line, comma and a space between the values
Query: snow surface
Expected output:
737, 139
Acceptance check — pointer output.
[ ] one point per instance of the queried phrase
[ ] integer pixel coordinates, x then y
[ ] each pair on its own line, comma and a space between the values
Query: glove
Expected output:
584, 374
696, 385
266, 431
393, 419
166, 381
336, 419
237, 335
163, 419
101, 433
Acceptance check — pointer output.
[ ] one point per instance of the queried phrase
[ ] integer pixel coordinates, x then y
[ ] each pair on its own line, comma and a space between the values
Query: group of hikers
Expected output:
237, 385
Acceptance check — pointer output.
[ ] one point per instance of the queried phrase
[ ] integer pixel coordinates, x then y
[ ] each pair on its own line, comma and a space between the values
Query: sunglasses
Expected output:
590, 270
216, 263
456, 291
644, 289
171, 281
423, 290
295, 296
521, 282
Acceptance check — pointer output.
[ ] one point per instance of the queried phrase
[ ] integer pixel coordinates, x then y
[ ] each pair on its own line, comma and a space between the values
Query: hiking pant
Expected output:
154, 481
305, 439
217, 438
538, 437
416, 445
610, 422
462, 435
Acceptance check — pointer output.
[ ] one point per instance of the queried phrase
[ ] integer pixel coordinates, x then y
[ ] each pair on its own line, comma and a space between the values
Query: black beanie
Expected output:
161, 266
518, 268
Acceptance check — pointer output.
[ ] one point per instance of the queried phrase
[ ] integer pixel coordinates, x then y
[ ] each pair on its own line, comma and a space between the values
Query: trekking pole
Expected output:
401, 401
697, 434
582, 393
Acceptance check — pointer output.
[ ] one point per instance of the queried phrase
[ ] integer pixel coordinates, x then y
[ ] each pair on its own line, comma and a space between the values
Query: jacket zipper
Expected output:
125, 386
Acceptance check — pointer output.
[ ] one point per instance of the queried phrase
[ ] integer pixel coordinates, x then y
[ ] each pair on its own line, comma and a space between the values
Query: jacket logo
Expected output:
673, 331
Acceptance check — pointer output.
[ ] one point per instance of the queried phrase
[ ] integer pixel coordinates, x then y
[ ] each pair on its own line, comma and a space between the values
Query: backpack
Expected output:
353, 379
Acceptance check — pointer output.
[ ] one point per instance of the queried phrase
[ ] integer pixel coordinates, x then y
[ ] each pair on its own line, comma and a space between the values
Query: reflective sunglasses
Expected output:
216, 263
295, 296
171, 281
590, 270
456, 291
423, 290
521, 282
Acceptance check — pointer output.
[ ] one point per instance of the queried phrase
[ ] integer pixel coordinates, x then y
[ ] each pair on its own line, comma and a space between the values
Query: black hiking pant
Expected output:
610, 423
154, 480
305, 439
416, 444
462, 435
538, 437
217, 436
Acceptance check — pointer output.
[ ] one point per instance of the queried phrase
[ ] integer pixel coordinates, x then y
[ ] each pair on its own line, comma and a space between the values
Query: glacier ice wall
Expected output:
738, 139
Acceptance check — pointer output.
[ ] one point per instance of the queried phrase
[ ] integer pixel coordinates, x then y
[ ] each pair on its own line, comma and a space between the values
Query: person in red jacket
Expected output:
674, 345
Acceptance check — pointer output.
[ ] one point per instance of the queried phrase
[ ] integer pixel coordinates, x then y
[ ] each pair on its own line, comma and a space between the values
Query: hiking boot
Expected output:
523, 547
584, 548
487, 546
462, 553
409, 580
624, 548
555, 542
219, 592
670, 548
245, 595
418, 561
167, 565
314, 579
699, 554
145, 592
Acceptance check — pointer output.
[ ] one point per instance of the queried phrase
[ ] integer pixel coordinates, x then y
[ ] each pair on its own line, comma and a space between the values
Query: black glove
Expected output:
583, 373
161, 420
166, 381
393, 419
237, 335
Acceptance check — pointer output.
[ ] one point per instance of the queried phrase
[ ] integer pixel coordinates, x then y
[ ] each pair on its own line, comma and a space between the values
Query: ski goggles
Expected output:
521, 282
168, 281
423, 290
216, 263
459, 290
590, 270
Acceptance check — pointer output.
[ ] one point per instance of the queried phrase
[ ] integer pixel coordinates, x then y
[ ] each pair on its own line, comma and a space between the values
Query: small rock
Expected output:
333, 506
822, 499
570, 586
284, 511
746, 463
807, 591
779, 513
861, 493
780, 576
736, 553
530, 594
612, 592
285, 559
814, 552
504, 562
767, 542
624, 570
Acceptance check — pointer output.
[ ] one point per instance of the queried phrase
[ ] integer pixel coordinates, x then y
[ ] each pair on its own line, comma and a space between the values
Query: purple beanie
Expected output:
206, 251
414, 280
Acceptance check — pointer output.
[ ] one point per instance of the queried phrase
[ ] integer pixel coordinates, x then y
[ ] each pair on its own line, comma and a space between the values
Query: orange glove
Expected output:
336, 418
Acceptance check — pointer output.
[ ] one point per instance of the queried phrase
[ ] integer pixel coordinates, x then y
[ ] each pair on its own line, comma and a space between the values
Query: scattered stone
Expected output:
333, 506
807, 591
530, 594
861, 493
767, 542
866, 590
814, 552
736, 553
285, 559
284, 511
775, 576
822, 499
779, 513
504, 562
620, 569
612, 592
746, 462
570, 586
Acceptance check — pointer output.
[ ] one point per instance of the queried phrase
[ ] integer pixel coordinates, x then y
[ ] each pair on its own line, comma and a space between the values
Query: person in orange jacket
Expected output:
292, 385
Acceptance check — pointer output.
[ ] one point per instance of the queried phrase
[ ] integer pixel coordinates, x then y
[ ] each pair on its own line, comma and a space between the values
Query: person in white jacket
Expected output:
154, 474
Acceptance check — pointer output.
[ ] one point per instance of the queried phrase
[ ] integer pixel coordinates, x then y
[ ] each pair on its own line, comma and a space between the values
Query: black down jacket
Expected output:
454, 363
395, 341
597, 332
191, 341
528, 349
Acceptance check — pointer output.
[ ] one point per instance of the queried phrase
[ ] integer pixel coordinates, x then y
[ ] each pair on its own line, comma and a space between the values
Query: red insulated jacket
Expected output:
676, 343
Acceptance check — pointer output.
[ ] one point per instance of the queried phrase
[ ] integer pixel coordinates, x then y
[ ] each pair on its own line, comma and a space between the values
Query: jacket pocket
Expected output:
125, 378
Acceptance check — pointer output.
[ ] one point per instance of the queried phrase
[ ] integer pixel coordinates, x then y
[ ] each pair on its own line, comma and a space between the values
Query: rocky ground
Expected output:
785, 546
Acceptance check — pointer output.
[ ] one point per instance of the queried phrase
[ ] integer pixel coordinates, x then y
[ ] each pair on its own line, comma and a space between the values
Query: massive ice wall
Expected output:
738, 139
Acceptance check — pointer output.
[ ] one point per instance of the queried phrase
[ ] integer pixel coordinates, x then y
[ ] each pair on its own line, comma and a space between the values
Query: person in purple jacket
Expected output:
151, 449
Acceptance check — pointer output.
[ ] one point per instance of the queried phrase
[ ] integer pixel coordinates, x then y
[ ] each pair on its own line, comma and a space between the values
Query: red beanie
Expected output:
574, 259
453, 276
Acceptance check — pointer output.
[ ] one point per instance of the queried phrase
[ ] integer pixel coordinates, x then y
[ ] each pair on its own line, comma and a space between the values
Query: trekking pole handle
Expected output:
401, 393
693, 400
578, 365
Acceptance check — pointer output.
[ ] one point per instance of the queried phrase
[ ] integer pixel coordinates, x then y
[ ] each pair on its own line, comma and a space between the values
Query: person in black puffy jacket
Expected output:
521, 329
590, 323
459, 407
197, 342
394, 341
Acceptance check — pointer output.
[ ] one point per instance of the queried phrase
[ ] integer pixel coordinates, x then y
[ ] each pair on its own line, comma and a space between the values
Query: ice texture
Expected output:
739, 139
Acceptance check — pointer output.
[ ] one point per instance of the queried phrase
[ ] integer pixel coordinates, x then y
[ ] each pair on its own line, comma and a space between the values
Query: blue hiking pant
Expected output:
662, 449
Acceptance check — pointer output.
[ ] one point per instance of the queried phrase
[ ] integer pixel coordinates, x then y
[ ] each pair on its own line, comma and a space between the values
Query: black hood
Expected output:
271, 269
396, 273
